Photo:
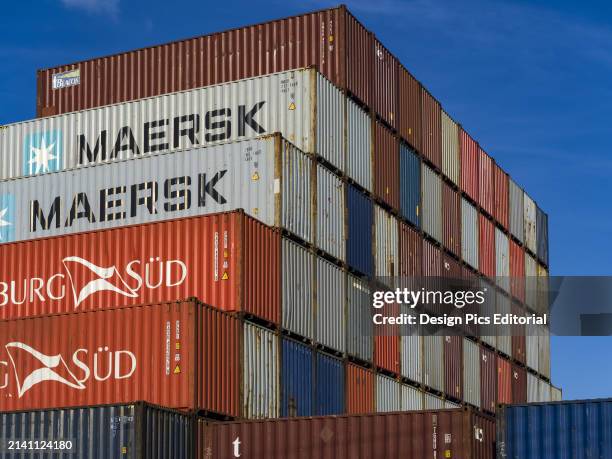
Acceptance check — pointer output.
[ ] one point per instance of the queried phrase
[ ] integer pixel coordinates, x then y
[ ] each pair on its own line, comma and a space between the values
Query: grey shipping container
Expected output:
267, 177
360, 328
542, 235
261, 371
359, 146
531, 281
386, 250
411, 352
533, 389
330, 305
330, 233
451, 405
433, 362
301, 104
544, 348
298, 286
532, 342
471, 372
504, 338
412, 398
469, 233
544, 391
555, 394
450, 148
433, 402
529, 208
502, 259
138, 431
517, 217
431, 198
387, 394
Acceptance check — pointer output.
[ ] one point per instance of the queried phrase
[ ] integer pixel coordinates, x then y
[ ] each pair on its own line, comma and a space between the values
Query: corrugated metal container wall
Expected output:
544, 348
203, 181
260, 383
519, 384
469, 233
451, 219
544, 392
453, 359
359, 389
330, 309
297, 379
543, 290
411, 251
433, 402
202, 371
517, 271
330, 214
410, 108
359, 146
502, 259
542, 235
436, 434
486, 249
298, 285
517, 219
504, 338
555, 394
329, 386
500, 196
531, 281
487, 333
518, 335
360, 227
504, 381
359, 57
386, 348
573, 429
387, 394
432, 260
533, 390
412, 398
471, 372
411, 353
469, 165
386, 91
386, 252
360, 332
432, 129
245, 277
488, 379
433, 362
410, 185
485, 181
451, 405
386, 166
431, 194
281, 102
530, 223
450, 148
135, 431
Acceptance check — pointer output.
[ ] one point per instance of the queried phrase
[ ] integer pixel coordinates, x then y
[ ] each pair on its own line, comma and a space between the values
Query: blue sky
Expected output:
531, 81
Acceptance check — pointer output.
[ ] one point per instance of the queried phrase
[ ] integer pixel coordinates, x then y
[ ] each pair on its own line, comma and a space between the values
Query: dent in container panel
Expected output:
469, 165
469, 233
386, 67
517, 220
330, 306
530, 223
453, 359
359, 145
410, 108
451, 219
359, 389
298, 285
486, 250
386, 166
360, 227
297, 379
431, 196
387, 394
450, 148
360, 341
330, 207
485, 181
432, 129
329, 387
410, 185
500, 196
488, 379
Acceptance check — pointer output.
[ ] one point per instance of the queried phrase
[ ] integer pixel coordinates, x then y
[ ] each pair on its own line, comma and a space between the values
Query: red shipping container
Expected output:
410, 110
469, 165
386, 67
359, 389
453, 369
386, 166
519, 342
228, 260
411, 251
451, 219
432, 129
488, 379
486, 246
519, 385
179, 355
386, 342
500, 196
517, 271
485, 181
504, 381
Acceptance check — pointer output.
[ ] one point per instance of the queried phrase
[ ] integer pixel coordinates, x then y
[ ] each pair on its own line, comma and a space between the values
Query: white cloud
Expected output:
94, 6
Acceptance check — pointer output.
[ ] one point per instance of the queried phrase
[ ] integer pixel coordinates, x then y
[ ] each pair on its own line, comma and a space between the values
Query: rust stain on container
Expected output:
485, 181
410, 109
453, 370
486, 249
386, 165
451, 219
432, 129
469, 165
359, 389
500, 194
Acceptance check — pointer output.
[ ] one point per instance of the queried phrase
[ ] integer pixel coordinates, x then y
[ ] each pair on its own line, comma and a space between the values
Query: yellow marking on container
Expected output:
447, 453
255, 176
225, 254
177, 346
292, 106
177, 370
225, 276
124, 450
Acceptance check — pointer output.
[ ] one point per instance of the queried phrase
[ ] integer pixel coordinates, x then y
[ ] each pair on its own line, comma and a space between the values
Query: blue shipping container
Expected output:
135, 431
297, 378
330, 386
359, 235
410, 185
558, 430
542, 235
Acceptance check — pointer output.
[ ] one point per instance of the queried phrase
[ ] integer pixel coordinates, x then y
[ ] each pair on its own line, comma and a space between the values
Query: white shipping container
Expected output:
529, 207
330, 305
301, 104
433, 362
387, 394
433, 402
544, 389
533, 389
330, 234
431, 202
298, 286
517, 217
360, 333
450, 148
502, 259
412, 398
531, 281
451, 405
471, 372
531, 344
411, 352
359, 145
544, 348
555, 394
469, 233
386, 251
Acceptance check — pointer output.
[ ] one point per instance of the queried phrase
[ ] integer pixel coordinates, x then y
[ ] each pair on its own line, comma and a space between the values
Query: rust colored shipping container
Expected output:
332, 40
386, 91
431, 260
488, 379
359, 389
519, 385
180, 355
451, 219
411, 251
456, 433
386, 165
410, 109
517, 271
519, 343
386, 346
504, 381
450, 267
228, 260
432, 129
500, 195
486, 246
453, 369
469, 165
485, 181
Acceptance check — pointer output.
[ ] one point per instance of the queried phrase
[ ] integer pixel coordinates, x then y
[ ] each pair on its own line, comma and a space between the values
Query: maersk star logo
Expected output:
7, 216
42, 152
